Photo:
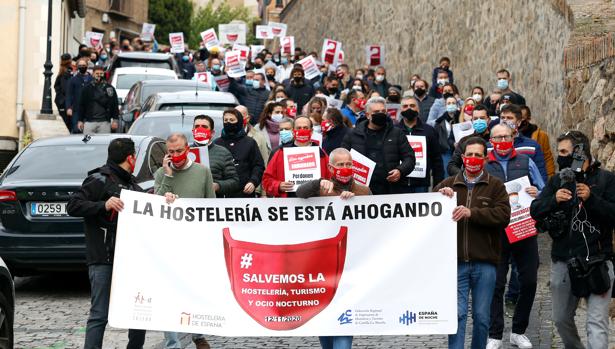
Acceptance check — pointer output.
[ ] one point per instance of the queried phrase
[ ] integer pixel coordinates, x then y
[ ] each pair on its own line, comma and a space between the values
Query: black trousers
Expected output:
525, 255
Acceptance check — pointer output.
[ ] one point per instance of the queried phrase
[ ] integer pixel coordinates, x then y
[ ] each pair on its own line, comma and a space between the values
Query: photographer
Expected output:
576, 209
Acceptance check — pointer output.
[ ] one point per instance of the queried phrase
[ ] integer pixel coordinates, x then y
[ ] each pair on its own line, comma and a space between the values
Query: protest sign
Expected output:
462, 129
202, 77
210, 39
393, 111
177, 42
330, 51
374, 55
94, 39
419, 145
147, 31
310, 69
301, 165
362, 167
244, 51
223, 82
350, 267
199, 155
264, 32
255, 50
287, 45
522, 225
232, 61
278, 29
232, 33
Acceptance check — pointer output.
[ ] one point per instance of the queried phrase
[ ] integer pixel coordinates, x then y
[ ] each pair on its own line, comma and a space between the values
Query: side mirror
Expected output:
127, 117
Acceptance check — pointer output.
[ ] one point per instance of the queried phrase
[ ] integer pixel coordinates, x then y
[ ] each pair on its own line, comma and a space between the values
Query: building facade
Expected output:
121, 19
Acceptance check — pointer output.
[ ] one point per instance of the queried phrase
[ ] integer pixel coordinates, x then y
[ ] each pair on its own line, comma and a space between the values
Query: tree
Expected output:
210, 15
171, 16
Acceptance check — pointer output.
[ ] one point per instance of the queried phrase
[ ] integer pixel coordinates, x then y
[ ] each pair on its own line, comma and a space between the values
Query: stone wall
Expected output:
525, 36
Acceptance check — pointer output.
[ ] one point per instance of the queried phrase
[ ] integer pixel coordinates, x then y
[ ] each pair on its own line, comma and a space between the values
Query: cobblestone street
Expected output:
51, 312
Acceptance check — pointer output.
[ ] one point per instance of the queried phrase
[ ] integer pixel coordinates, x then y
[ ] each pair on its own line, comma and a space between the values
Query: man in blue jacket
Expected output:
73, 92
254, 96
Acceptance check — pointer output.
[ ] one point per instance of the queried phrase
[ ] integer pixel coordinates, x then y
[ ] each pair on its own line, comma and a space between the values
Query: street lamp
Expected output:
46, 103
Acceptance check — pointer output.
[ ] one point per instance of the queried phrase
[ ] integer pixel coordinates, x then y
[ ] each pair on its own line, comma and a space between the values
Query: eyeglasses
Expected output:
502, 138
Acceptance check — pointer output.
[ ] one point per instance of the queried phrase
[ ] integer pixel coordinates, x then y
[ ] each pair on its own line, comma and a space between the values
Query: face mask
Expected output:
473, 165
258, 66
284, 61
342, 175
249, 82
514, 199
279, 99
360, 102
302, 136
478, 98
82, 70
256, 84
215, 67
442, 82
479, 125
394, 99
451, 108
277, 117
291, 111
232, 128
332, 91
410, 114
179, 160
447, 95
511, 124
270, 77
132, 162
469, 109
502, 148
359, 76
564, 162
103, 57
502, 84
380, 78
286, 136
419, 92
357, 88
201, 135
326, 126
379, 119
185, 58
298, 79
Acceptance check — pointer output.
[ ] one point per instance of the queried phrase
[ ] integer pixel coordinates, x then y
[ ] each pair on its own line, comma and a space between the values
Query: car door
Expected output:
152, 161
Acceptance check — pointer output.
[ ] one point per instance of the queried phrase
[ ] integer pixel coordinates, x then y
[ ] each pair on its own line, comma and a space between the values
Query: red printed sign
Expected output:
284, 286
374, 55
330, 51
287, 44
202, 77
360, 172
301, 161
232, 37
523, 228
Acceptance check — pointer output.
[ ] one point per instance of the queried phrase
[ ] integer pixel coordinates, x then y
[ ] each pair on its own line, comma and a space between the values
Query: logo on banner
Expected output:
345, 318
232, 37
418, 149
407, 318
284, 286
184, 319
142, 307
360, 172
301, 161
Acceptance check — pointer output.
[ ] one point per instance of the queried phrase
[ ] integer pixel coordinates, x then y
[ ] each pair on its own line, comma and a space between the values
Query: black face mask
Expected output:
82, 70
258, 66
379, 119
447, 95
564, 162
270, 77
410, 114
332, 91
298, 79
232, 128
419, 92
394, 98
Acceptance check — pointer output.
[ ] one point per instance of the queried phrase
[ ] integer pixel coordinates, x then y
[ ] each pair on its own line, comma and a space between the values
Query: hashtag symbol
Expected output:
246, 261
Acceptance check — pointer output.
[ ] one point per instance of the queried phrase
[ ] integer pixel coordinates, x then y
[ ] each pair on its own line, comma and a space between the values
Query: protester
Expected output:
425, 101
439, 106
530, 130
466, 110
274, 180
386, 145
577, 209
253, 97
483, 211
354, 106
506, 164
269, 124
503, 84
445, 66
73, 93
478, 94
221, 163
258, 137
98, 203
480, 124
380, 83
298, 88
247, 158
98, 105
60, 87
437, 86
412, 125
394, 95
444, 128
333, 130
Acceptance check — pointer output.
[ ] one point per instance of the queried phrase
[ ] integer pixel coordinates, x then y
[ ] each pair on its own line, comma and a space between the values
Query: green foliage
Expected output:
211, 15
171, 16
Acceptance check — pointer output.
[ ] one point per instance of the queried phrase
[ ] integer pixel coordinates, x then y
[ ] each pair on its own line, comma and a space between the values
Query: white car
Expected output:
124, 78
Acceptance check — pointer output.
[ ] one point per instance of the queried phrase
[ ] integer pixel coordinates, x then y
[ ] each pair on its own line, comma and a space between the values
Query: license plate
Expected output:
46, 209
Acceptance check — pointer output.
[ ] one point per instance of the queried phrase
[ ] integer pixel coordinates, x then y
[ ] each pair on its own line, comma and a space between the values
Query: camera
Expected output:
555, 224
578, 159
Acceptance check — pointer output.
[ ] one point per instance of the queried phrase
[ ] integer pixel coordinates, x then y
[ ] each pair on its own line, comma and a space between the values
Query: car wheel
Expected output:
6, 323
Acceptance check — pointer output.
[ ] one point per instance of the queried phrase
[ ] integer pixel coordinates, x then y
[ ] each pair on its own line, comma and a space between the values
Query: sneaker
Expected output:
201, 343
520, 340
494, 343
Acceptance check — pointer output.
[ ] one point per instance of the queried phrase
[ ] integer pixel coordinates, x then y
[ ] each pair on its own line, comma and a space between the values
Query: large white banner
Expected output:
370, 265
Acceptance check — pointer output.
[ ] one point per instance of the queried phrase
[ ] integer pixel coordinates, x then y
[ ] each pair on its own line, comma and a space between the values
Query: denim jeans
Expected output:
513, 283
478, 278
100, 283
446, 157
418, 189
172, 341
335, 342
565, 305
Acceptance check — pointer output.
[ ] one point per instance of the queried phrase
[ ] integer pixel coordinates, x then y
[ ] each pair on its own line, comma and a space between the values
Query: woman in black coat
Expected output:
59, 86
334, 128
246, 155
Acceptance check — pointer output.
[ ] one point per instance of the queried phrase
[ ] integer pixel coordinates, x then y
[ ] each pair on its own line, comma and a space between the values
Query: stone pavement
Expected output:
51, 313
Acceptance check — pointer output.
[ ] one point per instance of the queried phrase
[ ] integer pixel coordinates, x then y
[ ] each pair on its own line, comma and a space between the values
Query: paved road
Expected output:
51, 311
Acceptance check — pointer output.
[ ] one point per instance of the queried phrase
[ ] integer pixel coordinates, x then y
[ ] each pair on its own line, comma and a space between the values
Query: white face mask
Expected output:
357, 88
277, 117
379, 78
478, 98
279, 99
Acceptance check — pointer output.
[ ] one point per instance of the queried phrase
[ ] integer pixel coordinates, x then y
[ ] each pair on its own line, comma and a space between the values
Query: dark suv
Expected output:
142, 59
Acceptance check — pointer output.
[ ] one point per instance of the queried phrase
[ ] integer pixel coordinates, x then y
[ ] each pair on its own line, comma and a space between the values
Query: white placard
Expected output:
244, 51
374, 55
147, 32
419, 145
287, 45
310, 69
94, 39
522, 225
264, 32
232, 61
232, 33
362, 167
301, 165
331, 51
199, 155
255, 50
210, 39
278, 29
223, 82
462, 129
176, 40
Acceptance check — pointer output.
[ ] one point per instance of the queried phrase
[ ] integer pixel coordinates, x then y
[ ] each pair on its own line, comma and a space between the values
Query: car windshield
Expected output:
196, 106
150, 90
125, 81
42, 162
163, 126
124, 63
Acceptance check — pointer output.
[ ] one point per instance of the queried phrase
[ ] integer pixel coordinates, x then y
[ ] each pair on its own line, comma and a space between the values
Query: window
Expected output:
117, 5
279, 3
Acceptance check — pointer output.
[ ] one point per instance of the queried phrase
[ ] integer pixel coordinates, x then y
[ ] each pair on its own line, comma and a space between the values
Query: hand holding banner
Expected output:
301, 165
177, 42
147, 32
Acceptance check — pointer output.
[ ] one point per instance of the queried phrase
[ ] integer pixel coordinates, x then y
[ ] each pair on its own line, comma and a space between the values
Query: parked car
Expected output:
139, 92
162, 123
142, 59
36, 233
7, 307
124, 78
187, 100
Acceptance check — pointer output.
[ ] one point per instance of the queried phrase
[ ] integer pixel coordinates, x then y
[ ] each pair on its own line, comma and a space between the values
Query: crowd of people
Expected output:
342, 110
